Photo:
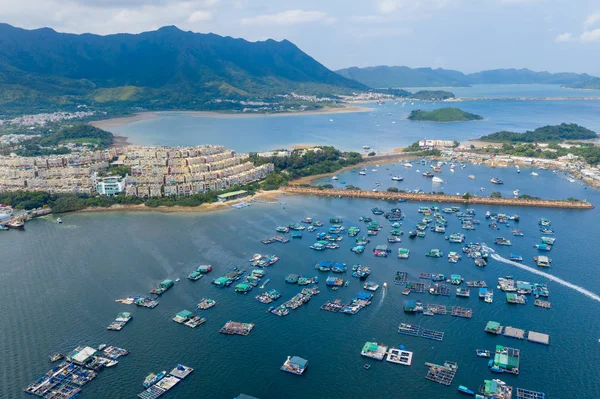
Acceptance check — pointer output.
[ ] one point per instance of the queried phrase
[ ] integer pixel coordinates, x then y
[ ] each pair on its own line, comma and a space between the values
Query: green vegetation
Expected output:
416, 150
79, 133
564, 131
592, 83
443, 115
392, 190
74, 202
164, 69
588, 152
424, 95
496, 194
302, 163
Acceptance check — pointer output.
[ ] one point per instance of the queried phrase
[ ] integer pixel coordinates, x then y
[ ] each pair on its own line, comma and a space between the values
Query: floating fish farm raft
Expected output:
161, 387
415, 287
65, 380
527, 394
542, 304
506, 359
294, 365
236, 328
374, 350
399, 356
333, 306
442, 374
457, 311
477, 284
494, 327
271, 240
417, 331
400, 278
140, 300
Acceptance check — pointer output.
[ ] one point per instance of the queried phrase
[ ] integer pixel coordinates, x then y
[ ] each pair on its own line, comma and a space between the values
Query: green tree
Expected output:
392, 189
496, 194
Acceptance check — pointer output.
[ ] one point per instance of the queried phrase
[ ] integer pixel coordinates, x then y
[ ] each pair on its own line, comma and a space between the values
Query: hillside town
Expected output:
154, 171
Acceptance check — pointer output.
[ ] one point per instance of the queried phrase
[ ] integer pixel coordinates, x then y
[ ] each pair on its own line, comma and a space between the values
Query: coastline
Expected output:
107, 124
259, 197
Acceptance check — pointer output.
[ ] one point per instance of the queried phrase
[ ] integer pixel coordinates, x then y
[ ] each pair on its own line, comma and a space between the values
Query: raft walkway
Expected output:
435, 198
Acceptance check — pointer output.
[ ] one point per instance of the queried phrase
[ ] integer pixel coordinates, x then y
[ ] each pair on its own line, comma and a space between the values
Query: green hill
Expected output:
166, 68
402, 76
443, 115
564, 131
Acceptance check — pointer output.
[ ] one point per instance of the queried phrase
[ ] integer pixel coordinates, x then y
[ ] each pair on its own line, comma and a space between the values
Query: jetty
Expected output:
437, 198
236, 328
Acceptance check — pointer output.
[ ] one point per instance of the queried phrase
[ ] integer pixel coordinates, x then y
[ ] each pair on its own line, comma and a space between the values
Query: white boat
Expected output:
397, 178
373, 170
482, 189
366, 147
516, 192
58, 220
362, 173
471, 177
534, 174
331, 120
407, 165
385, 286
571, 180
334, 178
436, 179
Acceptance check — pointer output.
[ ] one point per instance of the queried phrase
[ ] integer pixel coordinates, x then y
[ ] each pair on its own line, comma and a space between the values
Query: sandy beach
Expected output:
259, 197
107, 124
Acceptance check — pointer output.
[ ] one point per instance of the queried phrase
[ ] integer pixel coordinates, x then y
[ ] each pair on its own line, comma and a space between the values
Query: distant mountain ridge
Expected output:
158, 67
401, 76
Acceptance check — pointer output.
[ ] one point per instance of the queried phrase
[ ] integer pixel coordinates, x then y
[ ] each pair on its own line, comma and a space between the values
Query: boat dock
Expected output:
527, 394
164, 385
399, 356
442, 374
438, 198
457, 311
542, 304
236, 328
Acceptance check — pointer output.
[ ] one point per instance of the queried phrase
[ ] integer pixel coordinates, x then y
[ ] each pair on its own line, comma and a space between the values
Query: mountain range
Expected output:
163, 68
402, 76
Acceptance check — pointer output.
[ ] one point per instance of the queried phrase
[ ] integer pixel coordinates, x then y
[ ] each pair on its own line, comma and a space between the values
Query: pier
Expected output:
436, 198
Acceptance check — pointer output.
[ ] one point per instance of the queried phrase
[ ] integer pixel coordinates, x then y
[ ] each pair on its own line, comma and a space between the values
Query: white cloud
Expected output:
200, 16
391, 6
563, 37
591, 20
289, 17
590, 36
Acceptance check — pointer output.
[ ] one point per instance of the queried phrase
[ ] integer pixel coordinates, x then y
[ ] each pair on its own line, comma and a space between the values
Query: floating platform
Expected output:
333, 306
542, 304
437, 309
271, 240
164, 385
439, 289
294, 365
400, 278
63, 381
493, 327
415, 287
457, 311
432, 334
538, 338
477, 284
236, 328
409, 329
425, 276
527, 394
514, 332
399, 356
442, 374
374, 350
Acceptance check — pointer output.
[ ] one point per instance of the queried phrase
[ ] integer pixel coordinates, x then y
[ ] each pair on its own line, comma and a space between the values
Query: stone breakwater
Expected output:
435, 198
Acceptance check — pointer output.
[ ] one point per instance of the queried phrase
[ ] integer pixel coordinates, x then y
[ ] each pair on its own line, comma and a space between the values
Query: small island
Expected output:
544, 134
443, 115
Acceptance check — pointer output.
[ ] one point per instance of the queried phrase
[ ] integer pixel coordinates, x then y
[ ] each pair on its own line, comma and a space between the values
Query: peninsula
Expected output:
544, 134
443, 115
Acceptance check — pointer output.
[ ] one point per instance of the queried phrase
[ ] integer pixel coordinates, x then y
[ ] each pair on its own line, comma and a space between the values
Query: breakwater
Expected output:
437, 198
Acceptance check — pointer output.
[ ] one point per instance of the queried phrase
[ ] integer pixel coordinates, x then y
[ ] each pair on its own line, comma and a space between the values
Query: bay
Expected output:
61, 282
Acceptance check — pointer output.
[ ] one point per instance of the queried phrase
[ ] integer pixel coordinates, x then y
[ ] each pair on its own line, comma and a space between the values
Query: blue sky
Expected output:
468, 35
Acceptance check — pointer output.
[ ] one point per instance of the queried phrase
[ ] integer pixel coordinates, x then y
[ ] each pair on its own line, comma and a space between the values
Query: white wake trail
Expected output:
558, 280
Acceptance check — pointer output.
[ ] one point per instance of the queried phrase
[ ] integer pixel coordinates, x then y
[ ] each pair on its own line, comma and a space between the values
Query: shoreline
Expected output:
109, 123
259, 197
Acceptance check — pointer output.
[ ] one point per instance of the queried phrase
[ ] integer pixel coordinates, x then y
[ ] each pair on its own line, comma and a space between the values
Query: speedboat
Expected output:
471, 177
362, 173
534, 174
334, 178
397, 178
437, 180
496, 180
407, 165
58, 220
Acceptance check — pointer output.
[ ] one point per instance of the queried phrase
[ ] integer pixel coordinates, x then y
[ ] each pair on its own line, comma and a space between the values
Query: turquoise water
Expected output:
383, 128
60, 283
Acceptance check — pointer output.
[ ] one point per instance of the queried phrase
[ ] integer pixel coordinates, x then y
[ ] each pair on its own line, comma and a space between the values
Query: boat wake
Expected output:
530, 269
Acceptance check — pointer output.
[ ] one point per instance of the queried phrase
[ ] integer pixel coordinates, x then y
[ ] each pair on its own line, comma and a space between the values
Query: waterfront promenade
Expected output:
435, 198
